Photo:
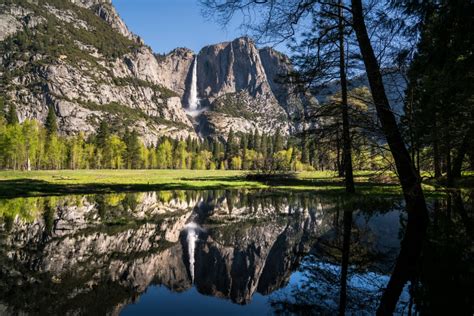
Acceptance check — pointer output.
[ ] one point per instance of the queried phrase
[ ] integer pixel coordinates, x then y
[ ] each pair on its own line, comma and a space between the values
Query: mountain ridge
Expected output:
96, 69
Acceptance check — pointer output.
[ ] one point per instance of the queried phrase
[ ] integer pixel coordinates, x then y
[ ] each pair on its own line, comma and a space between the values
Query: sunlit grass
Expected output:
58, 182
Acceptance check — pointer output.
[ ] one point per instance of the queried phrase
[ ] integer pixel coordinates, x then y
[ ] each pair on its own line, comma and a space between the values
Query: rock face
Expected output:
231, 67
175, 69
77, 248
102, 71
94, 254
97, 69
108, 13
240, 85
90, 3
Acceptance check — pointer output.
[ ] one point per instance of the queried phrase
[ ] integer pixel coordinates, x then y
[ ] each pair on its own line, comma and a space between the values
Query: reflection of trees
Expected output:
445, 280
130, 241
25, 209
440, 284
341, 275
113, 247
346, 242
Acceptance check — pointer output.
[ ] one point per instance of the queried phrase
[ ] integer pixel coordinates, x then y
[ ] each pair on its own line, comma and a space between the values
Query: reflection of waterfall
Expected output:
193, 101
191, 239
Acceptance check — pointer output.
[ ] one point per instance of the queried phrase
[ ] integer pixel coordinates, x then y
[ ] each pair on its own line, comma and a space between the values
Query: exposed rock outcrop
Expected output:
107, 73
100, 70
90, 3
174, 70
240, 84
108, 13
231, 67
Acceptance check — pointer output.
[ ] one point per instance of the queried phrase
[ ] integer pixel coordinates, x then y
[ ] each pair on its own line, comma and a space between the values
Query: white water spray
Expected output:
193, 100
191, 239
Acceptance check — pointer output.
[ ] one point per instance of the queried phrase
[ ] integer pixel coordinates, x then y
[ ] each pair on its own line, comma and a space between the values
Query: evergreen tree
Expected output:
231, 146
216, 150
251, 144
243, 142
278, 142
305, 156
103, 134
264, 146
133, 151
256, 141
195, 146
189, 144
51, 123
12, 117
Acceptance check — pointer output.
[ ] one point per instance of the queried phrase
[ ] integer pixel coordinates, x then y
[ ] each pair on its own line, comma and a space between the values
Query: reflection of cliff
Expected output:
99, 253
111, 247
249, 244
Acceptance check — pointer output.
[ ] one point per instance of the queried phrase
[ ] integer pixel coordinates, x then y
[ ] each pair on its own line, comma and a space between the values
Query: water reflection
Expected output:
258, 251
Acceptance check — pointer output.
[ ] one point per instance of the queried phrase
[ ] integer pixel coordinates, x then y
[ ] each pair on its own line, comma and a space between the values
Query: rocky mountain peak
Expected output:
90, 3
104, 71
108, 13
181, 52
231, 67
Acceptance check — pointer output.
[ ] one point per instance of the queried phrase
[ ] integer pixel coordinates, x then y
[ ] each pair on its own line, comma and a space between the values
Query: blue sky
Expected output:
167, 24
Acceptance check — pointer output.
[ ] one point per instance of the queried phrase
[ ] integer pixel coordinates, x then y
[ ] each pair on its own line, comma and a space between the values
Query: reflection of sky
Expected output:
158, 300
316, 280
385, 228
319, 281
363, 288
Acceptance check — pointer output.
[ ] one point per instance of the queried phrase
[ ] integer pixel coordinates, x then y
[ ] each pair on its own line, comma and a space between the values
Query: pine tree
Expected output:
304, 149
231, 147
103, 134
264, 147
133, 152
243, 142
12, 117
278, 142
251, 143
189, 144
51, 123
195, 146
256, 141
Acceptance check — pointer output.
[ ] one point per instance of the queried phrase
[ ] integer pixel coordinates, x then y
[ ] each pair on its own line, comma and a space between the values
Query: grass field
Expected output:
59, 182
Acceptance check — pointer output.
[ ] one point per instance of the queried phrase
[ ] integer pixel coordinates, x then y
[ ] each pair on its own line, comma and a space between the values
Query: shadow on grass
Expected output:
274, 180
28, 187
465, 182
238, 178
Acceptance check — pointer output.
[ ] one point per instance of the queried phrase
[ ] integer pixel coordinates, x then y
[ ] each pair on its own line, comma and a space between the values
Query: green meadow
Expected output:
60, 182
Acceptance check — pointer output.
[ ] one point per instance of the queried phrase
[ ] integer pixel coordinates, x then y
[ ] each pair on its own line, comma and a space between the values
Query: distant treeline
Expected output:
31, 146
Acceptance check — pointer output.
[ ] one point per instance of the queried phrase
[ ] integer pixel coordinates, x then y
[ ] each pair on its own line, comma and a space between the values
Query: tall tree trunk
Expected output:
339, 162
449, 175
346, 137
458, 159
409, 178
418, 168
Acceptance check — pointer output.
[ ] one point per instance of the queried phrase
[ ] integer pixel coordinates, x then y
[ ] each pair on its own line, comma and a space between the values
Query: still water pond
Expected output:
237, 252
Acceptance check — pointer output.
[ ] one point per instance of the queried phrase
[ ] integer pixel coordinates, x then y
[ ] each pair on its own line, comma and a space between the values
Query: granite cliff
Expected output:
79, 57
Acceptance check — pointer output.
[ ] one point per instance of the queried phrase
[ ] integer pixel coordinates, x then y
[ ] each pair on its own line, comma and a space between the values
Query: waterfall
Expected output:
193, 101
